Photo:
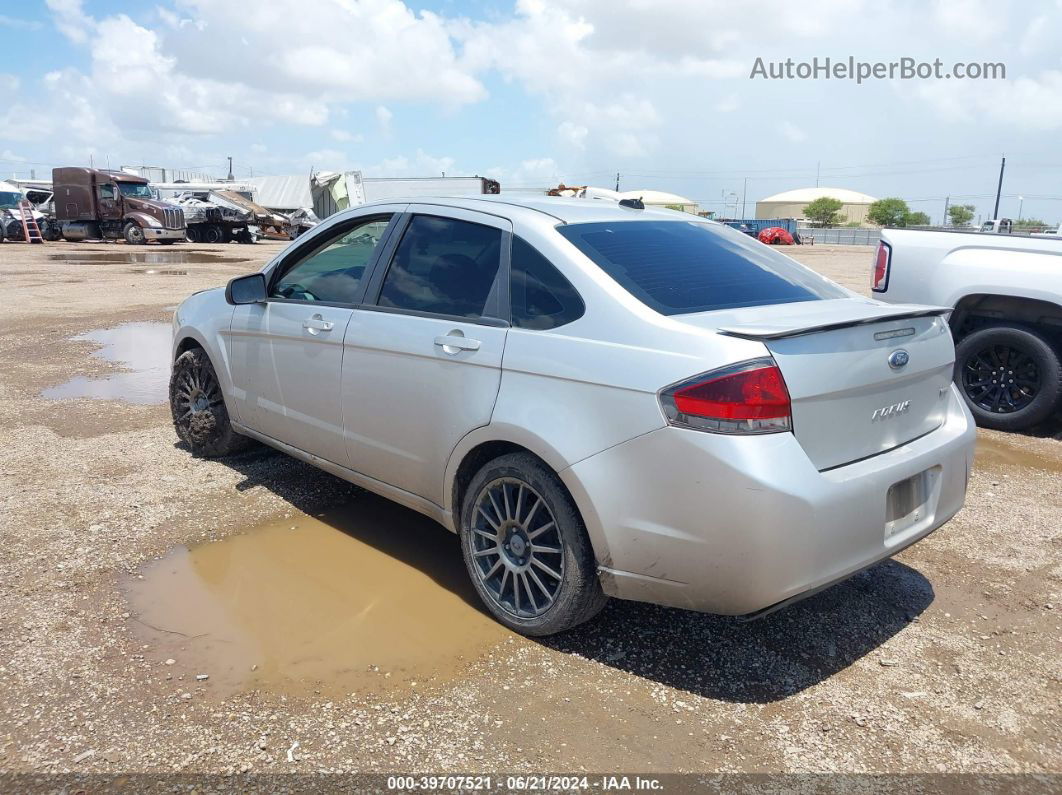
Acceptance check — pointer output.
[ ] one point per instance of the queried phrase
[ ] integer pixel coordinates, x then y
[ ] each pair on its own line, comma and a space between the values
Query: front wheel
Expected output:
198, 407
526, 549
134, 235
1010, 376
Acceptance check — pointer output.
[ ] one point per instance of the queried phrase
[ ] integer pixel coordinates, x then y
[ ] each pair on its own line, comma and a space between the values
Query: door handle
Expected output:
452, 344
316, 324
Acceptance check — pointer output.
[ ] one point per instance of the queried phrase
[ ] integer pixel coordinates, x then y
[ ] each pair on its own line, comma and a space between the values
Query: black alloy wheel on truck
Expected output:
1010, 376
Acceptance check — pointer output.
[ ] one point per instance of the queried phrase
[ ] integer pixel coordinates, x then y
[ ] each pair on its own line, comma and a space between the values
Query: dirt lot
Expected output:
343, 624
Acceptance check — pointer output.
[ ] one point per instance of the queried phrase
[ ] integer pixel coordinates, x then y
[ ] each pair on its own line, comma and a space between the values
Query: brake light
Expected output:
882, 263
747, 398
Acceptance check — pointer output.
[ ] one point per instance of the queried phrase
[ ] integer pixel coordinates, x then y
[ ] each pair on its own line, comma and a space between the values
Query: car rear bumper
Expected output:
740, 524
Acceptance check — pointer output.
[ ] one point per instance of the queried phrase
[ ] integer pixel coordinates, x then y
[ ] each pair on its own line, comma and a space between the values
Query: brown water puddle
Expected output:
992, 452
368, 597
149, 257
142, 348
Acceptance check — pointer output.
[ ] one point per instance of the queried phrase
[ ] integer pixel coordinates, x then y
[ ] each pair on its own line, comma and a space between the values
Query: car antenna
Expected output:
634, 204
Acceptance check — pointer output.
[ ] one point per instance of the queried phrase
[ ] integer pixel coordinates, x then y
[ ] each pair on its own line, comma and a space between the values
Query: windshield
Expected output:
138, 189
677, 267
9, 200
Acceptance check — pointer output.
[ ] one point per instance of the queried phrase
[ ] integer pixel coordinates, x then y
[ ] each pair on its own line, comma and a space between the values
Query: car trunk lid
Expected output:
863, 377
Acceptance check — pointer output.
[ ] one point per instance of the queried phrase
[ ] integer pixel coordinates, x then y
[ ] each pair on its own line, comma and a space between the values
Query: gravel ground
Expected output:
943, 660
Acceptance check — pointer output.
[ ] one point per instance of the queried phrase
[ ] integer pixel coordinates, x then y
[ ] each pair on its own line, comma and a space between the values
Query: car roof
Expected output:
568, 211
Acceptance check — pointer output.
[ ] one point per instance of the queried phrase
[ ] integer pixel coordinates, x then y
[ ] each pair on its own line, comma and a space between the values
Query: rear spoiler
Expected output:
768, 331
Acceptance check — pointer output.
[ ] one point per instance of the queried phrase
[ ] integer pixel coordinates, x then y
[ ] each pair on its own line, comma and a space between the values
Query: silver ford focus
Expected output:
599, 399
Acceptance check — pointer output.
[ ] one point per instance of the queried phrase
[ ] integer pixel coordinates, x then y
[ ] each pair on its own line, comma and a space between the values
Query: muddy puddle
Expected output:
143, 349
366, 598
166, 257
159, 271
993, 453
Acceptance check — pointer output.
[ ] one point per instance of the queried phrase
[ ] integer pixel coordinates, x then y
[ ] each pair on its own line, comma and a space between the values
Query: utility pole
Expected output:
617, 182
946, 200
1021, 201
999, 188
744, 191
231, 178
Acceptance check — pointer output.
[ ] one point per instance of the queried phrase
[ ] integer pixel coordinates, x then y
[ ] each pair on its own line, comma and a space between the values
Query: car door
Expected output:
423, 353
286, 353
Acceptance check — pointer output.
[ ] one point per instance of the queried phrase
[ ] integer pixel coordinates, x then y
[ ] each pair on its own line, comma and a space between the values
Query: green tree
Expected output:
961, 214
823, 211
916, 219
1029, 223
889, 212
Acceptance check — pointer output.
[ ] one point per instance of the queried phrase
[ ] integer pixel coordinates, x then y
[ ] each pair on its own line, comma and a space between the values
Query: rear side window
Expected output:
677, 267
541, 297
443, 266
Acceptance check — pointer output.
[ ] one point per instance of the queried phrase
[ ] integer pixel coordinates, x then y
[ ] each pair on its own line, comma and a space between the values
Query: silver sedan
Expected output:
600, 399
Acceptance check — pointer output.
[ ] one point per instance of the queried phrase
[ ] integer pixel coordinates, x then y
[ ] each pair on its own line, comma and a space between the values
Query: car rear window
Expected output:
677, 267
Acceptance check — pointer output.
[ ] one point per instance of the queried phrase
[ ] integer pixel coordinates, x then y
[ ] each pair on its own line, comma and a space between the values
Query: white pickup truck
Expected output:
1005, 293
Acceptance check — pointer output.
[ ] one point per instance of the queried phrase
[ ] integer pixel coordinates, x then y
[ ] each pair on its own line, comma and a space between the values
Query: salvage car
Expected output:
600, 400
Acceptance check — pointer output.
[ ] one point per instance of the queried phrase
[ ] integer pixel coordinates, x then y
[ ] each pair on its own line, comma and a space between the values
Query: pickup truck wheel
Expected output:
133, 234
526, 549
1010, 376
198, 407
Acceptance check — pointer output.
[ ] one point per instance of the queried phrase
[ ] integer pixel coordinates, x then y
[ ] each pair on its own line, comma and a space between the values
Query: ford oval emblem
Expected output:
898, 359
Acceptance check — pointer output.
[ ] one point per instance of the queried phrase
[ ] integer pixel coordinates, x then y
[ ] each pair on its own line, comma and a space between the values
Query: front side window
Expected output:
678, 267
332, 272
540, 296
138, 190
108, 191
443, 266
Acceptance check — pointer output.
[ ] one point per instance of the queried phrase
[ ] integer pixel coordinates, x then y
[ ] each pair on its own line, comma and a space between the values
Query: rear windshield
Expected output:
676, 267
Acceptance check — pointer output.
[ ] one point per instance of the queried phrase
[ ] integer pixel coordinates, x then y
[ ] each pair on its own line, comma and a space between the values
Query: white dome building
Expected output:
791, 204
659, 198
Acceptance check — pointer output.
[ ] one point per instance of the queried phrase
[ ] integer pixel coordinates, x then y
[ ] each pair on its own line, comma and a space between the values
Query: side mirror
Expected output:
246, 289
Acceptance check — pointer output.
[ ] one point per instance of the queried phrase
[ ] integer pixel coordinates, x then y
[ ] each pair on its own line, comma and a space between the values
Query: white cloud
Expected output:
16, 23
791, 132
383, 118
345, 137
572, 133
1025, 103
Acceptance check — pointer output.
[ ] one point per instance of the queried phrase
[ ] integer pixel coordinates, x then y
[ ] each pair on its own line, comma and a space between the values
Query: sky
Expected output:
542, 91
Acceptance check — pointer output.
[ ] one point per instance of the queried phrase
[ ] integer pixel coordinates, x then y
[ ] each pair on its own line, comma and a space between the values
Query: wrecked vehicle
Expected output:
211, 218
97, 204
301, 221
10, 216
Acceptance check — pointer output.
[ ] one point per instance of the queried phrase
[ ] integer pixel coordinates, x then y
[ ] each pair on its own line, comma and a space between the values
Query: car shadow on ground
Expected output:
712, 656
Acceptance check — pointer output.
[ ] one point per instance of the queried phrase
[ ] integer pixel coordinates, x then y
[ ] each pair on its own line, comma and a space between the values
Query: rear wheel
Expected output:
526, 549
1010, 376
212, 234
198, 407
133, 234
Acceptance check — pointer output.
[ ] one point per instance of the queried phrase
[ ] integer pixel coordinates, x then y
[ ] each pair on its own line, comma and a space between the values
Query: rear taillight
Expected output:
750, 397
882, 262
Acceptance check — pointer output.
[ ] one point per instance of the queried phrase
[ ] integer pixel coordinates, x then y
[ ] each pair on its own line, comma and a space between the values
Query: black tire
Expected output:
133, 234
191, 234
198, 408
1010, 376
577, 594
211, 234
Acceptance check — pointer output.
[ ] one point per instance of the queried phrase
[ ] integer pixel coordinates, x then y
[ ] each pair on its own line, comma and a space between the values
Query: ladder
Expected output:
31, 233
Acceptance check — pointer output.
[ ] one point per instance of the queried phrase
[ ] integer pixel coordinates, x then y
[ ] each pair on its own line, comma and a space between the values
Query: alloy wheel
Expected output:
197, 394
1001, 379
516, 548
